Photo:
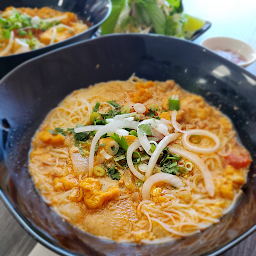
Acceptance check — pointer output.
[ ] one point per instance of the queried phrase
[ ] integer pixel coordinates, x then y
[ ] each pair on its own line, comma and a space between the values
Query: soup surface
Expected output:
26, 29
138, 161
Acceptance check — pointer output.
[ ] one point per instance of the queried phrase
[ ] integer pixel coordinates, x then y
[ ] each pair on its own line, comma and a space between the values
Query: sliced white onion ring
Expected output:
88, 128
105, 154
175, 124
105, 129
55, 18
160, 177
8, 47
140, 108
190, 146
160, 147
143, 167
130, 150
207, 176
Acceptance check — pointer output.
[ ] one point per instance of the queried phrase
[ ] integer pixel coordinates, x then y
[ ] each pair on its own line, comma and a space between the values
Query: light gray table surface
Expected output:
232, 18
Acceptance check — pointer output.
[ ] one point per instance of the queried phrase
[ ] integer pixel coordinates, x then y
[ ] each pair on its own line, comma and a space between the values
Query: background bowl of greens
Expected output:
153, 16
93, 11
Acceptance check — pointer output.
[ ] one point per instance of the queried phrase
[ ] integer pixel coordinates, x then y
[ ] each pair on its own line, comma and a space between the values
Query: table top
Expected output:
231, 18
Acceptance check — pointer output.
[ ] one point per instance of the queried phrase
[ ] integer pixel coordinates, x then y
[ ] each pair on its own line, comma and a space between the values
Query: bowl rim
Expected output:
58, 44
253, 51
63, 251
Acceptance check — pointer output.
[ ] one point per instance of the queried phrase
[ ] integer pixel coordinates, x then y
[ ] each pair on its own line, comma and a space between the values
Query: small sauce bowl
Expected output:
232, 49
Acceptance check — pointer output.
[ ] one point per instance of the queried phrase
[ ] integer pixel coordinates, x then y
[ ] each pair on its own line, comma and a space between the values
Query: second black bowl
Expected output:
94, 11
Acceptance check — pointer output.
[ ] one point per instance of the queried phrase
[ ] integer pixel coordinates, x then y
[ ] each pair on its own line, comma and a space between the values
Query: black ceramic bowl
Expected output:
94, 11
30, 91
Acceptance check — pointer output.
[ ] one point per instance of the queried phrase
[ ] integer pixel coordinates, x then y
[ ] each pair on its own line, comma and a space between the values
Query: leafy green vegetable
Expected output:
136, 160
96, 107
114, 174
111, 113
171, 168
82, 136
6, 34
120, 152
71, 130
151, 112
153, 148
122, 142
109, 25
61, 131
167, 157
52, 132
114, 104
145, 129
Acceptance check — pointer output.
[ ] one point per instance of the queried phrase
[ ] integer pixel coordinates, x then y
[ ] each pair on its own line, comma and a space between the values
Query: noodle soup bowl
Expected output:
91, 12
24, 103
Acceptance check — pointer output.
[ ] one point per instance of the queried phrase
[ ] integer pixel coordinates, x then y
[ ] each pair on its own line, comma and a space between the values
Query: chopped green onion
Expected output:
195, 139
52, 132
136, 117
134, 133
96, 107
99, 171
22, 32
95, 116
139, 183
114, 104
189, 166
119, 158
125, 110
153, 148
6, 34
174, 104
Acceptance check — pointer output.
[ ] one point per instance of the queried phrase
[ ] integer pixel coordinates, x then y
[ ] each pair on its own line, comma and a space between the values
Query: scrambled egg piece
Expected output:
52, 139
66, 183
234, 175
144, 93
93, 196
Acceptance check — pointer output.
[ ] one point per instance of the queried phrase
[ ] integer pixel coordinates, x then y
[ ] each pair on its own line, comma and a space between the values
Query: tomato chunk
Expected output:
238, 161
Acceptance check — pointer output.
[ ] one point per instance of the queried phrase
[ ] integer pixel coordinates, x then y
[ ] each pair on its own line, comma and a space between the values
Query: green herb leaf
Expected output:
61, 131
111, 113
96, 107
122, 142
52, 132
153, 148
145, 129
171, 168
151, 112
82, 136
136, 160
114, 174
139, 183
71, 130
108, 26
114, 104
134, 133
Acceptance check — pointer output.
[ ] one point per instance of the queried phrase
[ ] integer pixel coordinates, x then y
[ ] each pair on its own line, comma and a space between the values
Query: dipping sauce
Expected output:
232, 56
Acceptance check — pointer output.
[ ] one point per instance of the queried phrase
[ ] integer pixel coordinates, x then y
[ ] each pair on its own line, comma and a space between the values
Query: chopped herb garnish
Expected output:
71, 130
145, 129
6, 34
136, 160
111, 113
97, 147
82, 136
121, 141
171, 168
114, 174
114, 104
151, 112
52, 132
80, 125
96, 107
95, 116
195, 139
105, 135
61, 131
100, 122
